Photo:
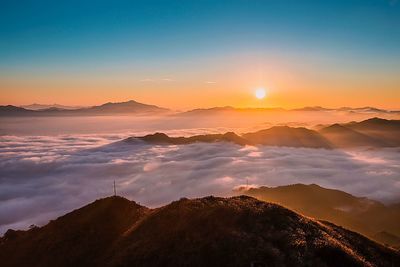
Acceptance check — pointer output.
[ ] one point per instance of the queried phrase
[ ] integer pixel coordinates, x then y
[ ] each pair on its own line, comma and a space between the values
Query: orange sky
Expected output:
288, 85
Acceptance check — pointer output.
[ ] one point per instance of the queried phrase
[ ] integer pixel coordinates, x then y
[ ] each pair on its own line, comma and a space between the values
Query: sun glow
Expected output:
260, 93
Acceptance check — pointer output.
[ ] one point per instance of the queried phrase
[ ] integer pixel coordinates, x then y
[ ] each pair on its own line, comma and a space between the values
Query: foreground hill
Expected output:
238, 231
359, 214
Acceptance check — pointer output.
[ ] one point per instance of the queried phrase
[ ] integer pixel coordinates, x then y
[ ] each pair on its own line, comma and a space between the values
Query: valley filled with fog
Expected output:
69, 162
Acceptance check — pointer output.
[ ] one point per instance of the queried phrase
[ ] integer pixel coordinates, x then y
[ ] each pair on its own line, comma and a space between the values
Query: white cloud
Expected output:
70, 171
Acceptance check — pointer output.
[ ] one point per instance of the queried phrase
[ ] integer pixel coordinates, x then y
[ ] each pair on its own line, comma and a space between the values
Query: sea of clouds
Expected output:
42, 177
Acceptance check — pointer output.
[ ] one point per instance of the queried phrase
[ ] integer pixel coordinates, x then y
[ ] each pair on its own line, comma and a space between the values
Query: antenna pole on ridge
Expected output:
115, 190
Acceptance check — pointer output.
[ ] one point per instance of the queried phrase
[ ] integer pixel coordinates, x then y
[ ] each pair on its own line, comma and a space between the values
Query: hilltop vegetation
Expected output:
209, 231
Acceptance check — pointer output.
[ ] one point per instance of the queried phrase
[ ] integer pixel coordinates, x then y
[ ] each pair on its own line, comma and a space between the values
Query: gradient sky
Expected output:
186, 54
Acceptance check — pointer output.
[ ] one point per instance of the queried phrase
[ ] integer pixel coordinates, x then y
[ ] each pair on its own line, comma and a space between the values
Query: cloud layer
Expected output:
44, 177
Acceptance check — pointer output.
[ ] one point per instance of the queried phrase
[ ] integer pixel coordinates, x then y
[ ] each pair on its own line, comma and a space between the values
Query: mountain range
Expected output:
230, 110
129, 107
373, 132
368, 217
134, 107
209, 231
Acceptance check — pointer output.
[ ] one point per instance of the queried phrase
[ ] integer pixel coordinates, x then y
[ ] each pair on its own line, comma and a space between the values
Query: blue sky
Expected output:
65, 31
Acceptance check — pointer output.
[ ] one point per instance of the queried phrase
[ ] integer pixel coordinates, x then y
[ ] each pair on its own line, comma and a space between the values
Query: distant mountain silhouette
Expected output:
36, 106
136, 107
366, 110
315, 108
288, 136
129, 107
125, 107
14, 111
227, 110
359, 214
210, 231
350, 110
231, 110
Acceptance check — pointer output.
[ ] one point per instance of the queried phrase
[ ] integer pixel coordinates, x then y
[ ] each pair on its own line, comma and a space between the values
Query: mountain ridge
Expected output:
330, 137
360, 214
209, 231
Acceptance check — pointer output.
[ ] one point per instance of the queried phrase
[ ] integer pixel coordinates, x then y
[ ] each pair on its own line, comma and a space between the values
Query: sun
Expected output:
260, 93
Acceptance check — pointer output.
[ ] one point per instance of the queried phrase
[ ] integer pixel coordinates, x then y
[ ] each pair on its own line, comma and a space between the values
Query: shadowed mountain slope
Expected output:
359, 214
208, 231
381, 129
342, 136
375, 124
288, 136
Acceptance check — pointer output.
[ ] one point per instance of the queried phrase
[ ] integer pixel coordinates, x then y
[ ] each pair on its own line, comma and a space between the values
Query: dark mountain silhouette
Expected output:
342, 136
210, 231
359, 214
75, 239
288, 136
125, 107
129, 107
161, 138
14, 111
